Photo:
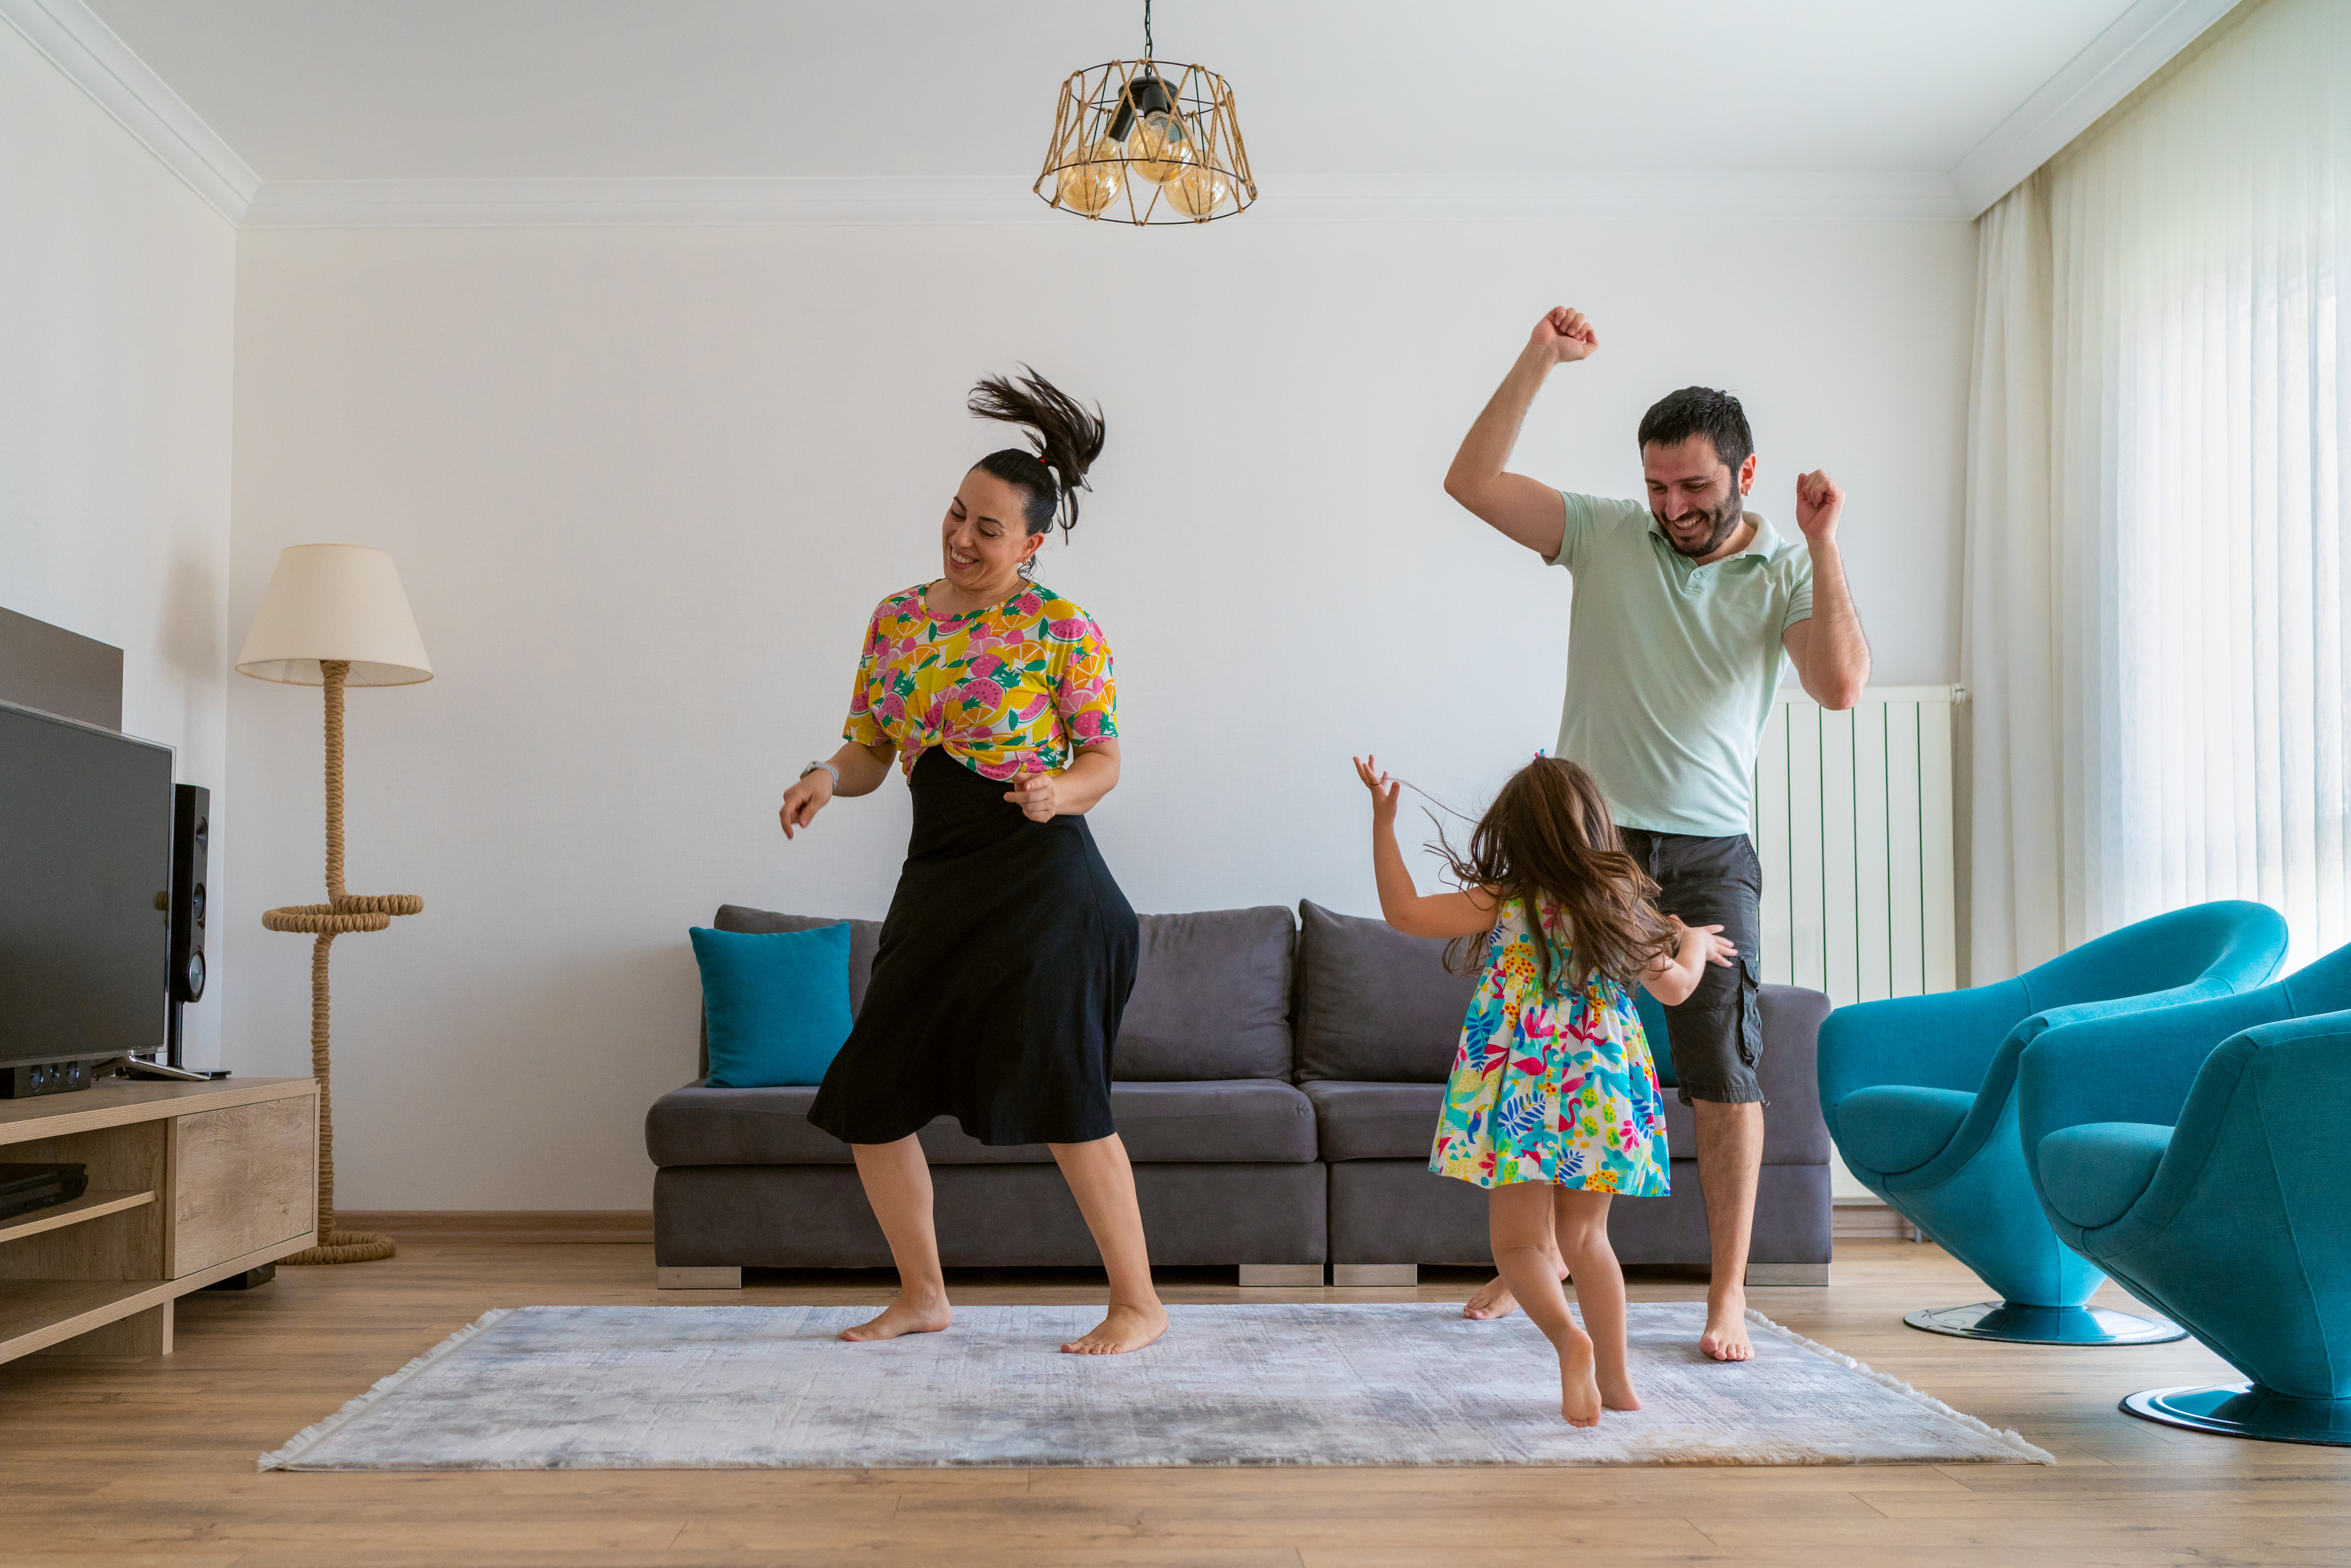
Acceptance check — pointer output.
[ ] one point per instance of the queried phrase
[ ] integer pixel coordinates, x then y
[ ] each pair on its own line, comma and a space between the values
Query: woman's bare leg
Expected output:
1102, 1182
1520, 1222
898, 1184
1581, 1221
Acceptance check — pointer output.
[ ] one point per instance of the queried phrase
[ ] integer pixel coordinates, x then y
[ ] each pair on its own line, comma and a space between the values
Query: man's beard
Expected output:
1726, 519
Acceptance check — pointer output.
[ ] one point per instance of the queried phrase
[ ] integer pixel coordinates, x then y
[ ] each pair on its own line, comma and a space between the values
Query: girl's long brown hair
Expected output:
1548, 837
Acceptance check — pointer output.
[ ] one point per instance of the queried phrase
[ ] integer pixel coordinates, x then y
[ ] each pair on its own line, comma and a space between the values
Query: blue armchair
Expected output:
1919, 1092
2198, 1155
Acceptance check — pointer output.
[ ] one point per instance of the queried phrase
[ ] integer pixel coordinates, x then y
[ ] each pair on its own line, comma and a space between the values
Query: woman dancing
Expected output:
1009, 951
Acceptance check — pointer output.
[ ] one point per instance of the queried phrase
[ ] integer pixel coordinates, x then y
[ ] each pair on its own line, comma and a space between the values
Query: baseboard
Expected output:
521, 1226
1858, 1218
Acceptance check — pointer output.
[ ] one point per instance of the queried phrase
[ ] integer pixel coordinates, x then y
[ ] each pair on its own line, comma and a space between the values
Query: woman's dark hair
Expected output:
1066, 438
1700, 411
1548, 838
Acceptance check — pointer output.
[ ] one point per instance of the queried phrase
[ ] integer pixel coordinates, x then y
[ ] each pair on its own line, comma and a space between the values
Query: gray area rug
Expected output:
1417, 1384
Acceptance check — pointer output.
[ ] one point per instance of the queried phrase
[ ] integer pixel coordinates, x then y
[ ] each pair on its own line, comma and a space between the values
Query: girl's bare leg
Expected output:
898, 1184
1580, 1219
1520, 1222
1102, 1182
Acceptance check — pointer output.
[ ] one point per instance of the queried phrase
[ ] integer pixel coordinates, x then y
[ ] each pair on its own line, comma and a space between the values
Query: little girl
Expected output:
1553, 1103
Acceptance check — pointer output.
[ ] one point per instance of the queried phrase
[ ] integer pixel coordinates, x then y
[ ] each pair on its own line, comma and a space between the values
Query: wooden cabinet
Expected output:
189, 1183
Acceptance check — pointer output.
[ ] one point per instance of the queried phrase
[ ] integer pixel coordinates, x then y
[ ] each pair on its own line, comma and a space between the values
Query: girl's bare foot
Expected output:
1578, 1390
1494, 1300
1122, 1329
1616, 1392
904, 1317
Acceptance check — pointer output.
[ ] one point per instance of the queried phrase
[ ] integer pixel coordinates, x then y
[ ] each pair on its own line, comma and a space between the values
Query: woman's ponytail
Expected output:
1066, 441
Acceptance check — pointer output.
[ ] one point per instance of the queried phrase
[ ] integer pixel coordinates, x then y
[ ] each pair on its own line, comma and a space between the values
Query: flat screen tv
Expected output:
85, 859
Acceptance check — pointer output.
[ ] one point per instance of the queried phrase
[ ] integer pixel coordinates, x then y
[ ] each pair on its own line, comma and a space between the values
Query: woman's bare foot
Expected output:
1494, 1300
1616, 1392
904, 1317
1122, 1329
1578, 1390
1725, 1338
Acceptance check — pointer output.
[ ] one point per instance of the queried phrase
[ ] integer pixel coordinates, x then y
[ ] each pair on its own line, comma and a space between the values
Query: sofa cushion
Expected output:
2095, 1171
1239, 1121
864, 937
1890, 1128
774, 1004
1375, 1121
1373, 1004
1211, 998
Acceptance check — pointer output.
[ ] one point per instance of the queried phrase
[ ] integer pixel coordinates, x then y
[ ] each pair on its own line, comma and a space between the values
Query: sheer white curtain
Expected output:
2157, 574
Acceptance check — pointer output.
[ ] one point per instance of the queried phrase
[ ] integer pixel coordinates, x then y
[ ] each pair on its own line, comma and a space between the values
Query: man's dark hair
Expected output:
1700, 411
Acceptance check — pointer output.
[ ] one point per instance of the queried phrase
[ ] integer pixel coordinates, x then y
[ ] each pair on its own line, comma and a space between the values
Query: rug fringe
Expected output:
284, 1458
1997, 1434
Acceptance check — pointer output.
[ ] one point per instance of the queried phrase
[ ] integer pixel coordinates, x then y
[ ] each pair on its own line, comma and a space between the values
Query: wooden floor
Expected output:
106, 1462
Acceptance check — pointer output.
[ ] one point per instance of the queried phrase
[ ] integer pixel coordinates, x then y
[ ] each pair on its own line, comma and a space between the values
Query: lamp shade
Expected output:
335, 602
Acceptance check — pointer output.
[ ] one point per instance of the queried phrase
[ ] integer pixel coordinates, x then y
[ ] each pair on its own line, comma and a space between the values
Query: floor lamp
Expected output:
335, 616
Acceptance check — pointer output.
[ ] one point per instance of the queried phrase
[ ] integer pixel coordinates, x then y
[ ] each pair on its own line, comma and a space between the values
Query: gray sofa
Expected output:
1278, 1081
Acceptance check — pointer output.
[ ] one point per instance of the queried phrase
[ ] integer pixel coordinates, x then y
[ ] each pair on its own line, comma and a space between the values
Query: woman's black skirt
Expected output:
1004, 967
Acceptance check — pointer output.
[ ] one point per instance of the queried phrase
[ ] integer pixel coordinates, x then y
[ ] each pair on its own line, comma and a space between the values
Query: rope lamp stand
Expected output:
335, 615
344, 914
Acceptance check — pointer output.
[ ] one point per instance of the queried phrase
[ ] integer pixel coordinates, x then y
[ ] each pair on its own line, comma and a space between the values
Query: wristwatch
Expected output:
828, 766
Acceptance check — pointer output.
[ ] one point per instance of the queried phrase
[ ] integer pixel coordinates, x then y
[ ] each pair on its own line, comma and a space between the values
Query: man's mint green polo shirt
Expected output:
1672, 666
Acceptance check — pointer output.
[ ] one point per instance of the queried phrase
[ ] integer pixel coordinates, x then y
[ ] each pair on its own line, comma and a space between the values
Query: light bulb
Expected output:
1163, 147
1199, 193
1091, 186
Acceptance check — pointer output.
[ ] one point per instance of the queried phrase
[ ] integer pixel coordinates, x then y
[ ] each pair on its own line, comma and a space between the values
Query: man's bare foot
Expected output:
904, 1317
1725, 1329
1494, 1300
1579, 1391
1616, 1392
1122, 1329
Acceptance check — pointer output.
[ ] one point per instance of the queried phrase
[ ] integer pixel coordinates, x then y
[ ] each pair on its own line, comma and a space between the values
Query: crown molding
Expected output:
95, 60
2135, 45
1304, 198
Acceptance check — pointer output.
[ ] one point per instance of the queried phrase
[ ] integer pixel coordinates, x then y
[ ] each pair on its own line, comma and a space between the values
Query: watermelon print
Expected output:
1560, 1090
1016, 687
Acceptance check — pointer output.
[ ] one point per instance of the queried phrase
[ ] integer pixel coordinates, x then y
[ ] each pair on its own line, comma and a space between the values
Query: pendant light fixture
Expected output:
1141, 141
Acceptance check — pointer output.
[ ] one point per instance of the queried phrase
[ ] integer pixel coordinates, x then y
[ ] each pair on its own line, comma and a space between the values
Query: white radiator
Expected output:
1853, 823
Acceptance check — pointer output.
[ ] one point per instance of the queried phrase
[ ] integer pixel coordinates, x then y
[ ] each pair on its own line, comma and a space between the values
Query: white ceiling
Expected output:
471, 89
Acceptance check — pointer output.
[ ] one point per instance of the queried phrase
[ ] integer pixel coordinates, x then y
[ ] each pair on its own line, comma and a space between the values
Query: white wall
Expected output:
117, 308
645, 485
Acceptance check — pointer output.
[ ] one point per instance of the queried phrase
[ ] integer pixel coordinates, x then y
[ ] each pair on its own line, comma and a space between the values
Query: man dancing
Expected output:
1682, 609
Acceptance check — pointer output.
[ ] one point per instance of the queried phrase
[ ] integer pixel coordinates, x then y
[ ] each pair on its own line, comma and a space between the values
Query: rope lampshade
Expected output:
1144, 141
333, 616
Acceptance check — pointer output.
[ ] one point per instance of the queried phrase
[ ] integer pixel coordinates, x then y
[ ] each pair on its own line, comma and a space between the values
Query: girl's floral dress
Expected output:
1558, 1091
1013, 686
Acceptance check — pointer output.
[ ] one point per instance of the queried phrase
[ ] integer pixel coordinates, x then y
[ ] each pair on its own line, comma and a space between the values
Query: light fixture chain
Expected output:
1148, 52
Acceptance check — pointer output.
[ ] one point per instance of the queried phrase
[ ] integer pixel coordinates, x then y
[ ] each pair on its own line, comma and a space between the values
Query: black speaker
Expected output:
191, 828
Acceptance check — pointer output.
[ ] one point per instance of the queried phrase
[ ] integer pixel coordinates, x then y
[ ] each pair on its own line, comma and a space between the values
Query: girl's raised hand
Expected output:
1712, 945
1383, 789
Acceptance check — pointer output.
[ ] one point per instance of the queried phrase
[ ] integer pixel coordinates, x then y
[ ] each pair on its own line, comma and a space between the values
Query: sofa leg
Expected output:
1767, 1274
1373, 1276
1280, 1276
698, 1279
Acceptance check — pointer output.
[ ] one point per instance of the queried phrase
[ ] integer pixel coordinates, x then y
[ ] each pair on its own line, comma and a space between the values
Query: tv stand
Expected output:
189, 1184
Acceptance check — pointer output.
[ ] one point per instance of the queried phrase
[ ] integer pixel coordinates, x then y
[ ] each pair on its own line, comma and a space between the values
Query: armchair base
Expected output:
2247, 1410
2019, 1325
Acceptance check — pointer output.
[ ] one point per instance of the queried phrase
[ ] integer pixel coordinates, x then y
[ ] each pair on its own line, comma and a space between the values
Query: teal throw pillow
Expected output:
777, 1003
